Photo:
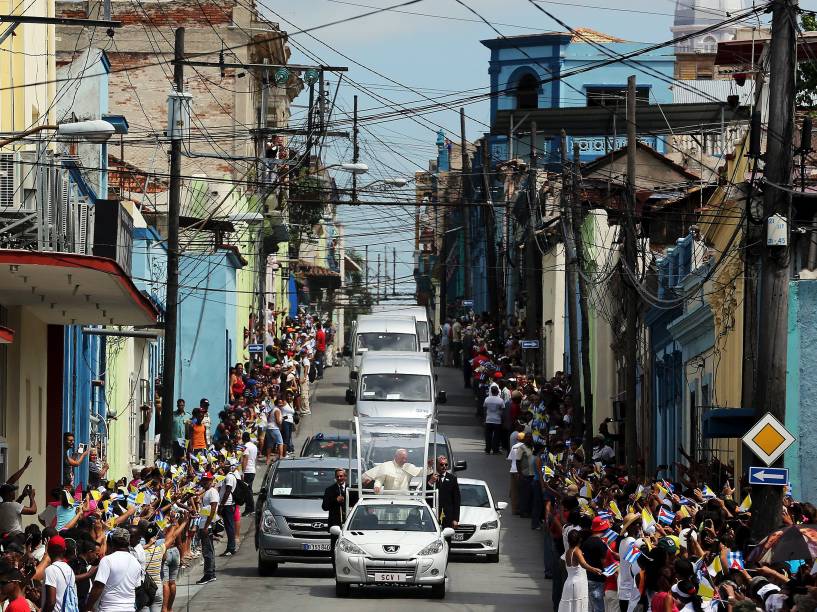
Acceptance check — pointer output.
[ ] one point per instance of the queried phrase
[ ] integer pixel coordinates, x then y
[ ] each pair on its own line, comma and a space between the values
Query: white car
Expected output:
391, 540
479, 528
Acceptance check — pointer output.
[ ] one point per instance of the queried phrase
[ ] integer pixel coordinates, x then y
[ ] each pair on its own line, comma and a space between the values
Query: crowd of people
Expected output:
119, 544
615, 541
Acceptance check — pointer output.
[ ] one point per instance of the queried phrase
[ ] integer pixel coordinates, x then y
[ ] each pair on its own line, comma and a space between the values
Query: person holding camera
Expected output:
12, 511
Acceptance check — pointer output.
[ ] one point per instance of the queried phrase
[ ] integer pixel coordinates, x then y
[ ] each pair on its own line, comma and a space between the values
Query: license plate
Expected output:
326, 547
458, 537
389, 577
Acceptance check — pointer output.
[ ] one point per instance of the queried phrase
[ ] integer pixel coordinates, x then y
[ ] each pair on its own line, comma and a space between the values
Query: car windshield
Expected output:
391, 517
474, 495
395, 388
385, 448
322, 447
302, 482
387, 341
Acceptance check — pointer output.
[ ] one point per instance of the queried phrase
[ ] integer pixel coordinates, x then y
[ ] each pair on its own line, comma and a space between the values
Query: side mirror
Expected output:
460, 465
350, 397
501, 505
334, 530
442, 398
448, 533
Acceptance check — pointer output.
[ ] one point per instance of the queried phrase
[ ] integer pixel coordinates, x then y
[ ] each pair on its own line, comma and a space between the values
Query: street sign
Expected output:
529, 344
468, 303
768, 476
768, 439
256, 348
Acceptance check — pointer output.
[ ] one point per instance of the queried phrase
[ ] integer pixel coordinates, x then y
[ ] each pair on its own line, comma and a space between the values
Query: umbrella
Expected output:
787, 544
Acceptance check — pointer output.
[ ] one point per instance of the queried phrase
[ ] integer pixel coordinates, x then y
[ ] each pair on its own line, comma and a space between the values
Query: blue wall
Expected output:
801, 388
207, 310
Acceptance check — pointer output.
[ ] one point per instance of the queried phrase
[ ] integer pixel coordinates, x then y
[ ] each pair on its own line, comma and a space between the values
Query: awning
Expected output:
6, 335
68, 289
602, 121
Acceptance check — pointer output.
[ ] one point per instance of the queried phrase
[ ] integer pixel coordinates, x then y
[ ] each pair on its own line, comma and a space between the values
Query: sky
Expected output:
433, 48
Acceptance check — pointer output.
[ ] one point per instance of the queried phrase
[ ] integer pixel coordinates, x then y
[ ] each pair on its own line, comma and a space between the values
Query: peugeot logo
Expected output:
391, 548
319, 525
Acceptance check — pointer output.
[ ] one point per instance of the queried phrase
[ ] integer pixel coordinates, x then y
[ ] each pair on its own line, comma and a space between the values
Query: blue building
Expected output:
549, 71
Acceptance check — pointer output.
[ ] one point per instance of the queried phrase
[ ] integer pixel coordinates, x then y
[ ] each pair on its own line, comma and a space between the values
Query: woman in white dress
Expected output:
574, 593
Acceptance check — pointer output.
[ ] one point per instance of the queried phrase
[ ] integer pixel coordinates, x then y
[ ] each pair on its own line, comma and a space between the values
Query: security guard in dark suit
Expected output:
334, 502
445, 483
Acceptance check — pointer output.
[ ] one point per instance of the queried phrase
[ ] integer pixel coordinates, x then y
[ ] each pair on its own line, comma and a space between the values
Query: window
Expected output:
616, 96
527, 92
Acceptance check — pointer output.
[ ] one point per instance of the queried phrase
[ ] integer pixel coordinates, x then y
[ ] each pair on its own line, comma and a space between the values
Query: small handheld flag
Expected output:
746, 504
609, 536
647, 519
611, 570
632, 554
735, 560
665, 516
716, 567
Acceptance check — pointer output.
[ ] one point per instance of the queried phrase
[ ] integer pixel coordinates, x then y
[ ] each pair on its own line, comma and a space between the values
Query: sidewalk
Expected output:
186, 587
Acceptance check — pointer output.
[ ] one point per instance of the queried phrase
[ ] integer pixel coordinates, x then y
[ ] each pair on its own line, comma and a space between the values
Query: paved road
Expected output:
516, 581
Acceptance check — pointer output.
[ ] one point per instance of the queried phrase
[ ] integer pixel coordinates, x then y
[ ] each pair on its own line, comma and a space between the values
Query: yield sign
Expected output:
768, 439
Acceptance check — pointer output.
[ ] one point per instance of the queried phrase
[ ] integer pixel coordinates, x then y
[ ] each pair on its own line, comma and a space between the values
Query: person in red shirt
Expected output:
12, 588
320, 349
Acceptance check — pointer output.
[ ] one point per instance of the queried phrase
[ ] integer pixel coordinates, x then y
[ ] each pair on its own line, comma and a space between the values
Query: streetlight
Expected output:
356, 168
389, 182
95, 130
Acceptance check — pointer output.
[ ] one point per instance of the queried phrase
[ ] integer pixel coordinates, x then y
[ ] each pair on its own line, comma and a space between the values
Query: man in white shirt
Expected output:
11, 511
395, 475
207, 514
117, 577
628, 593
248, 460
60, 592
227, 509
494, 407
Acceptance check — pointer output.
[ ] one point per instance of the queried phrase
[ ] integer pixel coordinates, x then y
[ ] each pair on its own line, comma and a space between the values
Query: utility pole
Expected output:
584, 318
377, 291
394, 272
774, 282
490, 237
385, 273
570, 284
466, 211
531, 268
631, 299
366, 251
172, 295
355, 151
309, 124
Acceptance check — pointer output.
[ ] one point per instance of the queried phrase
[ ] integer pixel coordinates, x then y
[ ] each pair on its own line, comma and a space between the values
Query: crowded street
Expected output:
474, 583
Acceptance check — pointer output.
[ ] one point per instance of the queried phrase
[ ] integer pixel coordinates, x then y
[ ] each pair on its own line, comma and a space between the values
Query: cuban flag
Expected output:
631, 555
665, 516
609, 536
735, 560
603, 514
611, 570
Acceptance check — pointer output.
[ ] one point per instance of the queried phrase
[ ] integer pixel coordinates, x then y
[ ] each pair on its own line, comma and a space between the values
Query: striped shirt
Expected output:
153, 561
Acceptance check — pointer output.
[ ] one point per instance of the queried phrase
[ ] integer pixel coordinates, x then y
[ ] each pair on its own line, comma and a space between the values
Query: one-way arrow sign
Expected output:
768, 476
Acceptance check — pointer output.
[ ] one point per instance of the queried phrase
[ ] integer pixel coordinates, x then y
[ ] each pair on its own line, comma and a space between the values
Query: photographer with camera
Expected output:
12, 511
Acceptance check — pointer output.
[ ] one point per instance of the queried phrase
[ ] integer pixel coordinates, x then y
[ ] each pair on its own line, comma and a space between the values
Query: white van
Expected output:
374, 333
397, 385
420, 313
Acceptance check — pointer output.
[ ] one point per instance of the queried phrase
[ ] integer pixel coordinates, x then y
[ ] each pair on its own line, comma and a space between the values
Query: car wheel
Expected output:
438, 590
342, 589
266, 568
493, 557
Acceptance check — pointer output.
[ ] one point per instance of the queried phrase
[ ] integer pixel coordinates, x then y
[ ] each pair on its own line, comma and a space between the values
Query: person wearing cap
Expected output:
117, 576
207, 513
594, 550
11, 511
60, 590
628, 593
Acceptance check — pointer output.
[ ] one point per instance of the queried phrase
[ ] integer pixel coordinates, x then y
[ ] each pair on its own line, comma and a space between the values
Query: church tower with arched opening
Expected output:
695, 57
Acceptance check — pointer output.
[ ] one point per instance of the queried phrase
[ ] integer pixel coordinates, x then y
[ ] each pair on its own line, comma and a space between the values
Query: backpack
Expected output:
241, 493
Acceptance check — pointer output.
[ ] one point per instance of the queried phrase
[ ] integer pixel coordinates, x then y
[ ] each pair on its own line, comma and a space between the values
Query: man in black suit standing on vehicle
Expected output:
448, 493
334, 502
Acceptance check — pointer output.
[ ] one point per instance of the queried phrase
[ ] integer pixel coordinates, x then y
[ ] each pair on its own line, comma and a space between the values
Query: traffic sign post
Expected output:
529, 344
255, 348
768, 439
768, 476
468, 303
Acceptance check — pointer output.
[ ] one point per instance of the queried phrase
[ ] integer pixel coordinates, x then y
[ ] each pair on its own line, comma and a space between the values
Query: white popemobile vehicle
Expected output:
479, 526
392, 538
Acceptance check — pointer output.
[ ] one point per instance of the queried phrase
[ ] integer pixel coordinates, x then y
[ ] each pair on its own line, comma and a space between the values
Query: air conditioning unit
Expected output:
11, 193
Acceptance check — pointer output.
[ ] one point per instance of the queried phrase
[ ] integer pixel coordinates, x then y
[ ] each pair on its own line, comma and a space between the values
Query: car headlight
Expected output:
490, 525
350, 548
432, 549
269, 525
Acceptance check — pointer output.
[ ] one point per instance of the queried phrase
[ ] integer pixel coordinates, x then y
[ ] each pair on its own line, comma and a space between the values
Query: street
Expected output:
473, 584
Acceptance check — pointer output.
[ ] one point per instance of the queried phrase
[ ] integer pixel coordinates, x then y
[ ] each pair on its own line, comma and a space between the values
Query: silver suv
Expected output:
290, 525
